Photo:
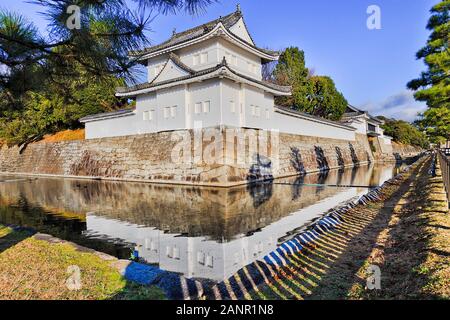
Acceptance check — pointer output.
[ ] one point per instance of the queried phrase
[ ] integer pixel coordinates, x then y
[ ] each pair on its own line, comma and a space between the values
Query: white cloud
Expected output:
400, 106
4, 70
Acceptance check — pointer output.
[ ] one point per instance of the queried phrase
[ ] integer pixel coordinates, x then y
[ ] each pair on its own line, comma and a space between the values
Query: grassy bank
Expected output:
32, 268
406, 234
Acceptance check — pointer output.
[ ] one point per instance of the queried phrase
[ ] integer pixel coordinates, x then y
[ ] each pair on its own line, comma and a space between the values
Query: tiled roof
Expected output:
309, 116
352, 112
113, 114
176, 59
147, 85
190, 34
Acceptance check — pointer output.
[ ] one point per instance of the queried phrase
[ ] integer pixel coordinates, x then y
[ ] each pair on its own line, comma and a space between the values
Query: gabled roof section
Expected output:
352, 112
222, 70
240, 29
173, 68
205, 30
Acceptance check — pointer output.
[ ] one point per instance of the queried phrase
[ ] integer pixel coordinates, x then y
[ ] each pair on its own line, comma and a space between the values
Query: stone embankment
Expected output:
187, 157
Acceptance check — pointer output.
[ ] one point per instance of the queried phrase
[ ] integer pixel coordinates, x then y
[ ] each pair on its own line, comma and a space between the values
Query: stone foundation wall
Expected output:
150, 157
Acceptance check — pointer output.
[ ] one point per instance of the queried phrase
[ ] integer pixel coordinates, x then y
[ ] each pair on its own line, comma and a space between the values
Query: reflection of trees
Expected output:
297, 187
260, 192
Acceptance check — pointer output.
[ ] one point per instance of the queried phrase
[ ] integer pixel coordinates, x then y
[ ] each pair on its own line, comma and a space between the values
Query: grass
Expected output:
413, 250
38, 269
406, 234
66, 135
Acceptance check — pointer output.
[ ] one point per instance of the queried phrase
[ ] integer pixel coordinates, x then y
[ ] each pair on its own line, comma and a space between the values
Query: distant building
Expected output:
365, 123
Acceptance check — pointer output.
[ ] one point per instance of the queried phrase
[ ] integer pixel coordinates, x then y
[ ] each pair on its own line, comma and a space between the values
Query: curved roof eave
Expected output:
237, 40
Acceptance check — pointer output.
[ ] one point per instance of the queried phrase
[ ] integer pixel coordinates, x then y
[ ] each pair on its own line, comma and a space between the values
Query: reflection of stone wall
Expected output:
215, 213
149, 157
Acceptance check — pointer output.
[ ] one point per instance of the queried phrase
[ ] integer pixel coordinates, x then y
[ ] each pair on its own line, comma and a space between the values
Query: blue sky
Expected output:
370, 67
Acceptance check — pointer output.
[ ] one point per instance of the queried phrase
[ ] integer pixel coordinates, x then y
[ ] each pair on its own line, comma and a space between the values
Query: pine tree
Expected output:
433, 86
47, 82
98, 45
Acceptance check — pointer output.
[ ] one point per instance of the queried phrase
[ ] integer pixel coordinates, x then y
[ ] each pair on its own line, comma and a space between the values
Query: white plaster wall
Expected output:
201, 92
171, 71
169, 98
209, 46
122, 126
146, 103
262, 101
243, 58
360, 126
386, 140
219, 93
241, 31
293, 125
230, 95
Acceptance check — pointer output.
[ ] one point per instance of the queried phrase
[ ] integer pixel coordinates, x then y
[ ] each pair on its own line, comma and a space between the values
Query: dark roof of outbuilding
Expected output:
352, 112
196, 32
113, 114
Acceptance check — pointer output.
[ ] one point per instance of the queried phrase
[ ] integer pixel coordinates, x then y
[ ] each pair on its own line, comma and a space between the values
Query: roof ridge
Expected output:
205, 26
191, 34
215, 22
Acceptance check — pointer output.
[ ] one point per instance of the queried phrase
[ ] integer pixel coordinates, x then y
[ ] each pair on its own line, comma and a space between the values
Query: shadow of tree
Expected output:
353, 154
339, 157
330, 266
14, 237
296, 161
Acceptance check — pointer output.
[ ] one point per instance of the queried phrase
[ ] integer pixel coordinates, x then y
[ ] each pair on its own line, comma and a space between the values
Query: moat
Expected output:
207, 233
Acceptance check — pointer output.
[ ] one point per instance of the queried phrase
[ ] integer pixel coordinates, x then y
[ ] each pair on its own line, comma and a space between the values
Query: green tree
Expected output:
404, 132
324, 99
51, 110
436, 123
291, 71
47, 82
433, 86
316, 95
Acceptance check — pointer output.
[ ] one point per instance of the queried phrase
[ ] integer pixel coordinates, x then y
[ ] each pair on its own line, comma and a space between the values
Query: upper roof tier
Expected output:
222, 27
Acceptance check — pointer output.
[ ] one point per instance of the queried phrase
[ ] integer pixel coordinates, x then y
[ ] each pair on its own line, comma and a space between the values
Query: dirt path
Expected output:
406, 235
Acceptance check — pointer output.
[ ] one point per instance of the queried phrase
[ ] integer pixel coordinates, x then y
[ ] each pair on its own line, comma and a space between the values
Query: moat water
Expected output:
199, 232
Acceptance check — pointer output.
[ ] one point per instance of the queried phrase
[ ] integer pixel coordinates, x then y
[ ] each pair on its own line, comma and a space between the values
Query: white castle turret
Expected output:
208, 76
